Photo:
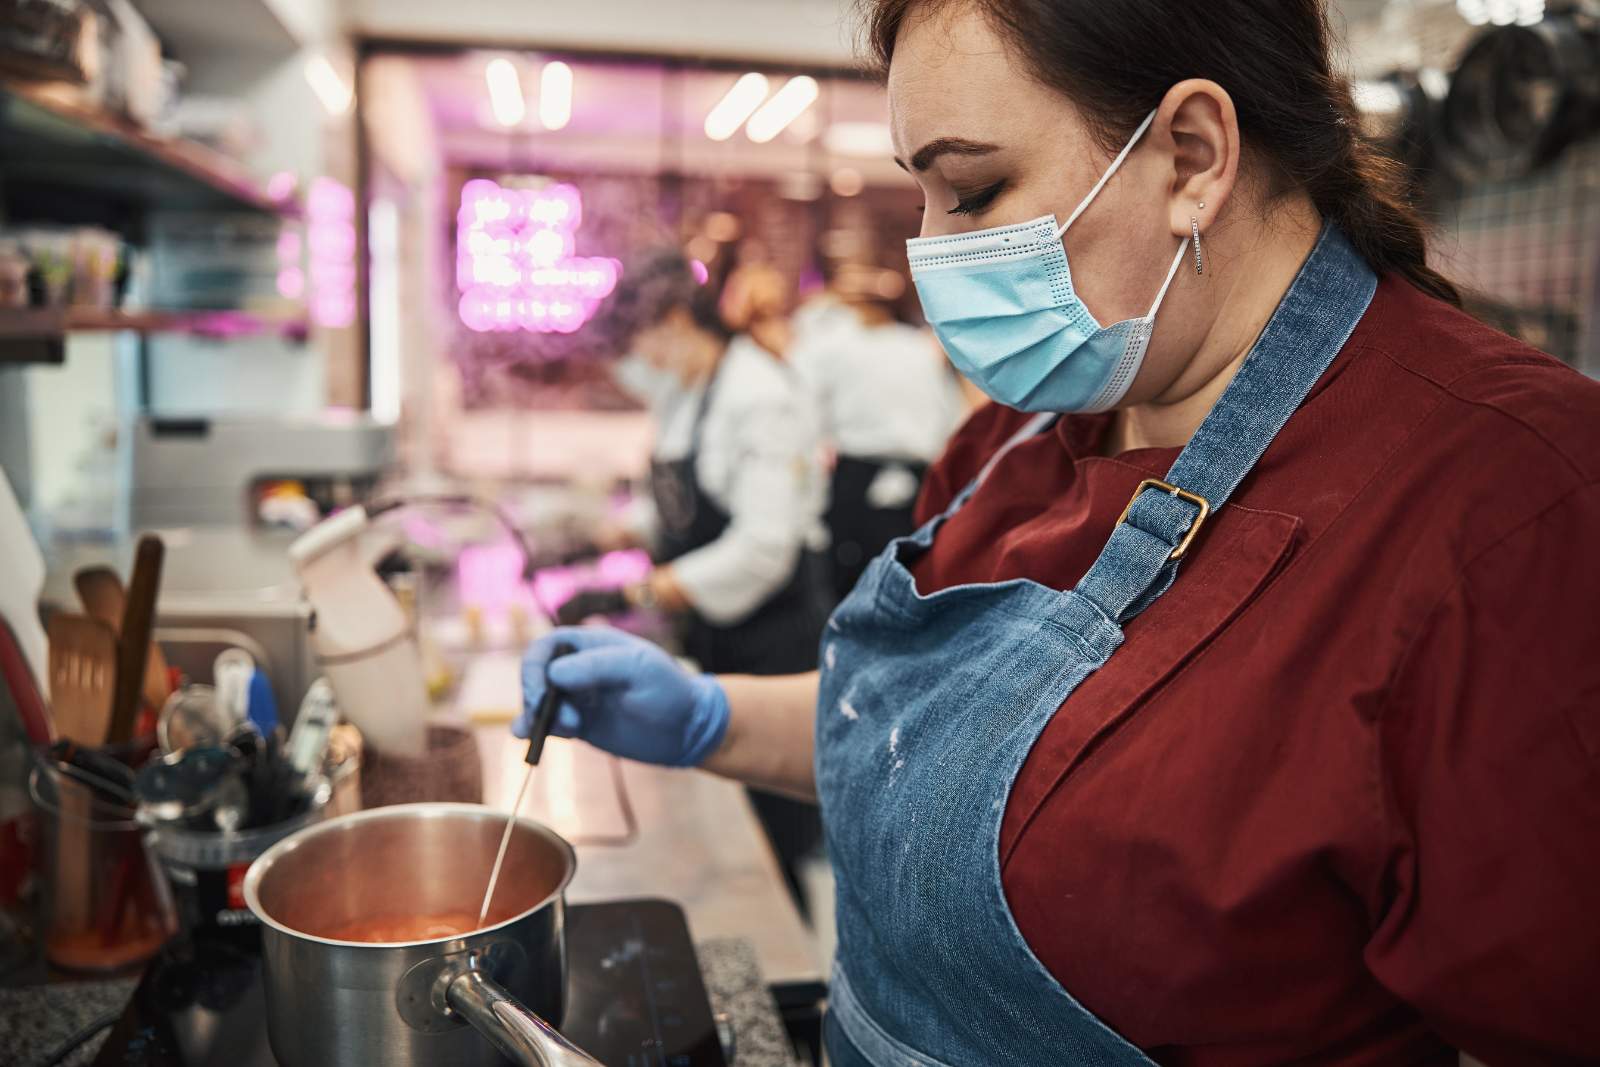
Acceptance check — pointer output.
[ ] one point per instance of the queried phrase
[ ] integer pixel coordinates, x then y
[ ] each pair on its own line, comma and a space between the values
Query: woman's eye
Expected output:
971, 205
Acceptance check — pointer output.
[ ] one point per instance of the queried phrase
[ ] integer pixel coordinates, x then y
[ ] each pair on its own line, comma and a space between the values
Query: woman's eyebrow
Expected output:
946, 146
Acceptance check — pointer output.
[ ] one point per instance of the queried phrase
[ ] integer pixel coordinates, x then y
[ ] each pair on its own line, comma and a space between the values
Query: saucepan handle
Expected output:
517, 1032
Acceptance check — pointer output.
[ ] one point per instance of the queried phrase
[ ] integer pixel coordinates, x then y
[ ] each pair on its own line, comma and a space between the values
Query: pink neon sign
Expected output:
329, 281
516, 267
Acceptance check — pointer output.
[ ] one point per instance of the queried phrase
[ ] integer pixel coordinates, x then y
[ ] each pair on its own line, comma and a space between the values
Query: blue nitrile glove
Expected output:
626, 696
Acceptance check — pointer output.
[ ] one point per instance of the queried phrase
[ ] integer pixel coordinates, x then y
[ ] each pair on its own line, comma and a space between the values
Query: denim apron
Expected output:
930, 704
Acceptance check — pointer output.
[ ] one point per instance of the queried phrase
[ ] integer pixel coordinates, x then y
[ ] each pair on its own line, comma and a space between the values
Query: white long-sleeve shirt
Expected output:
759, 461
883, 392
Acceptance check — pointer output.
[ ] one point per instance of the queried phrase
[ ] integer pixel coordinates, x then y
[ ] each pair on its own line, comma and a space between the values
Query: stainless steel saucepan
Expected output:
333, 1001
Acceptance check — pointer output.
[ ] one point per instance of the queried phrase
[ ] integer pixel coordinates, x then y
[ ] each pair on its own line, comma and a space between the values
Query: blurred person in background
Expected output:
889, 401
737, 488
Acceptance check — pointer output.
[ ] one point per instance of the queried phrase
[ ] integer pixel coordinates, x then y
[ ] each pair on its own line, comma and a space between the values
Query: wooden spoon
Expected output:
104, 598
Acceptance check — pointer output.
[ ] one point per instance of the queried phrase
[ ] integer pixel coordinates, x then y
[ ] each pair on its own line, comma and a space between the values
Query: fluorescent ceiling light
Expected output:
1501, 12
333, 91
555, 95
1378, 98
505, 92
862, 140
731, 111
786, 105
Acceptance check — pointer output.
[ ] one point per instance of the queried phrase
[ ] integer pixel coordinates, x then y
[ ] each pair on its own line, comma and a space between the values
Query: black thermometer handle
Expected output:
544, 717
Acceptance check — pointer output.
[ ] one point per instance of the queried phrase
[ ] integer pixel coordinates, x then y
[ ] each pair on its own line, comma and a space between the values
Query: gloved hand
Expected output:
625, 696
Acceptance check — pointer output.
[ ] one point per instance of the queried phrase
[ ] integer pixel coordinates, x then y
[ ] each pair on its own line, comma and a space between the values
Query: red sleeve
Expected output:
1491, 757
980, 437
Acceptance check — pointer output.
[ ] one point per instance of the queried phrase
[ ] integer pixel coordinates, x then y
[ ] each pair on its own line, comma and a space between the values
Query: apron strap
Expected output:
1309, 328
705, 406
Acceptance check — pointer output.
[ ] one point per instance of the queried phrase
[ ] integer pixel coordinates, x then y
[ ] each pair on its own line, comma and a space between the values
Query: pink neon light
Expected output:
618, 569
331, 242
515, 262
489, 576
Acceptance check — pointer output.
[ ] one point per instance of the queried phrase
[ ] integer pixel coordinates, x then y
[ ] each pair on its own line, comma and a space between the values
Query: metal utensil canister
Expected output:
343, 1003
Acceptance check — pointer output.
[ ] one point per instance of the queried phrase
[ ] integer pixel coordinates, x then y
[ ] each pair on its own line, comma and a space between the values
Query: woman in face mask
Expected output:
1241, 706
737, 488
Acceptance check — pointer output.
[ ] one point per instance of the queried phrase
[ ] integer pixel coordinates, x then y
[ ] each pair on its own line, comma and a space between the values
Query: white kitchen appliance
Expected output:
211, 471
363, 639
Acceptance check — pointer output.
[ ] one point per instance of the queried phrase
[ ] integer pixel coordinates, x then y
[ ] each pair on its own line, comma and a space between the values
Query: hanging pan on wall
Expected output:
1520, 96
1407, 131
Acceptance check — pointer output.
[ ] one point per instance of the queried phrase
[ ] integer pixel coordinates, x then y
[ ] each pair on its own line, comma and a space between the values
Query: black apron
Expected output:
859, 530
780, 637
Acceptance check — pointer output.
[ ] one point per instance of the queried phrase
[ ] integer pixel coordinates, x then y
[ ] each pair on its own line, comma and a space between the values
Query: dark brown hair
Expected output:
1116, 59
655, 283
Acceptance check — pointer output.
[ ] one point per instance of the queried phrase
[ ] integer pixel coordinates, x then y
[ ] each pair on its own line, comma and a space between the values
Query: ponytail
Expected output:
1365, 193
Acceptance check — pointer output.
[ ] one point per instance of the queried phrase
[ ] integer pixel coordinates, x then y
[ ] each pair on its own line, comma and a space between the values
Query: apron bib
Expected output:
929, 705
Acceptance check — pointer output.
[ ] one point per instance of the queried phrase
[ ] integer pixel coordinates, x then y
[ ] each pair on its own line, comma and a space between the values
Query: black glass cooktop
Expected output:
635, 997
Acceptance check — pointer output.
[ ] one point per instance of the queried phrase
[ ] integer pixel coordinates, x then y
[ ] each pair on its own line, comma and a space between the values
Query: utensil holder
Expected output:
107, 907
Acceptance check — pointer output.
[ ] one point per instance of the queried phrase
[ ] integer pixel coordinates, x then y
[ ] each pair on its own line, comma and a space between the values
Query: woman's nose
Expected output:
937, 223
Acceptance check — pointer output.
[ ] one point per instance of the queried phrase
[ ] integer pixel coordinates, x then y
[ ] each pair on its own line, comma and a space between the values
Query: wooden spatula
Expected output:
83, 674
100, 589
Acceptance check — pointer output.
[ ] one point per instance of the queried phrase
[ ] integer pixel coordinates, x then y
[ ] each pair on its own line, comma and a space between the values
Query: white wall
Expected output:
73, 409
811, 31
254, 375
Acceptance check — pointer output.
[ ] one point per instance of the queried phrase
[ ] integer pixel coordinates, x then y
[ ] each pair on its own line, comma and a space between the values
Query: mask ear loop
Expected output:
1116, 165
1171, 274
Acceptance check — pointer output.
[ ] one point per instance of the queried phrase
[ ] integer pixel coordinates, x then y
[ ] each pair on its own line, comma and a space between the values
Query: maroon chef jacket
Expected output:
1337, 798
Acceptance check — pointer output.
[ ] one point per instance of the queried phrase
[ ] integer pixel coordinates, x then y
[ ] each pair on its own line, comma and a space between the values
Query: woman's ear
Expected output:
1204, 137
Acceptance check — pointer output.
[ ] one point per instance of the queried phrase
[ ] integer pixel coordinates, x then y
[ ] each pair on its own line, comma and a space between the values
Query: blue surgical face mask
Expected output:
1004, 306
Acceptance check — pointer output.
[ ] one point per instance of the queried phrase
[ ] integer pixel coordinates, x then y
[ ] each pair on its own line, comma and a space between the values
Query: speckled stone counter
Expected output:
36, 1021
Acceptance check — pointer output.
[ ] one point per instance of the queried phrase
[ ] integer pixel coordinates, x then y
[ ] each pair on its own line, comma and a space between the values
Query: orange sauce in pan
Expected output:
383, 929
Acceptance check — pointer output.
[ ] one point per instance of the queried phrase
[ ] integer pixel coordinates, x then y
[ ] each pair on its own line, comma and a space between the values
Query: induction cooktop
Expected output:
635, 996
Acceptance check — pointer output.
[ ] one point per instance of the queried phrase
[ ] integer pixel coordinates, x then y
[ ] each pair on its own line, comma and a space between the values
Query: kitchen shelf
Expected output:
39, 335
65, 161
58, 322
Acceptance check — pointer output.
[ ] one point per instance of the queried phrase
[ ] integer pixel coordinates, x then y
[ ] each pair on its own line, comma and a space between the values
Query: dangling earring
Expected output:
1199, 258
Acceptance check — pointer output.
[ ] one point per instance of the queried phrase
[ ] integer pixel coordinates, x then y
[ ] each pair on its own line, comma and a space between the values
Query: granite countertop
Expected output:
36, 1021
